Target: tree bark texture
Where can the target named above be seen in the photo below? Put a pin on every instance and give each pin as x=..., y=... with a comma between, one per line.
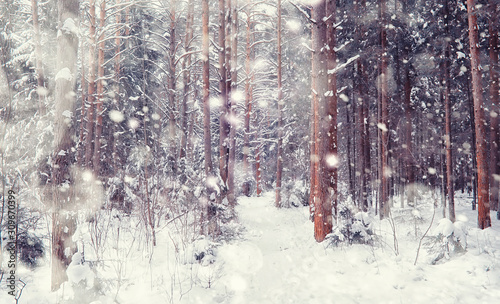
x=233, y=85
x=248, y=104
x=186, y=78
x=322, y=204
x=224, y=124
x=100, y=92
x=484, y=220
x=495, y=104
x=447, y=106
x=172, y=87
x=383, y=119
x=279, y=161
x=91, y=87
x=331, y=158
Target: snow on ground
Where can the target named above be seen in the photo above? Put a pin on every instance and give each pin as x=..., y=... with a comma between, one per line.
x=276, y=260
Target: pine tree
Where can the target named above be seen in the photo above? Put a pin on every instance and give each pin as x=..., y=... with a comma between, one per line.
x=484, y=220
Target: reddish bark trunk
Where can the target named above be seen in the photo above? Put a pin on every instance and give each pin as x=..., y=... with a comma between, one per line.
x=322, y=204
x=484, y=220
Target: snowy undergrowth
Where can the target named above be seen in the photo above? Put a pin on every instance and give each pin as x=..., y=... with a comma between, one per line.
x=117, y=263
x=276, y=260
x=279, y=262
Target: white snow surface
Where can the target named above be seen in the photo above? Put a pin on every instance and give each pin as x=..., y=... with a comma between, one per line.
x=276, y=260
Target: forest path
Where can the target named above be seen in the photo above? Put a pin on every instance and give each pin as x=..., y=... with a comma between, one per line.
x=278, y=260
x=262, y=267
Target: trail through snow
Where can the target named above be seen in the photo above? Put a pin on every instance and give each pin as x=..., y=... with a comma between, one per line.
x=278, y=261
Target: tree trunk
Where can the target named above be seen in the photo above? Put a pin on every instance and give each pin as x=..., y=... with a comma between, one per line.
x=63, y=223
x=232, y=112
x=279, y=161
x=81, y=137
x=186, y=79
x=484, y=220
x=322, y=124
x=495, y=102
x=114, y=155
x=100, y=91
x=206, y=91
x=383, y=120
x=207, y=138
x=331, y=159
x=473, y=178
x=313, y=165
x=172, y=87
x=447, y=106
x=409, y=159
x=91, y=86
x=248, y=105
x=223, y=122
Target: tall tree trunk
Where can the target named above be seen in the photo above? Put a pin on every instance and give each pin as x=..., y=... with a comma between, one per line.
x=38, y=58
x=447, y=106
x=314, y=158
x=279, y=161
x=383, y=120
x=409, y=157
x=206, y=91
x=100, y=91
x=207, y=138
x=248, y=105
x=258, y=173
x=172, y=87
x=80, y=148
x=232, y=112
x=63, y=223
x=473, y=178
x=186, y=78
x=149, y=208
x=495, y=101
x=224, y=124
x=91, y=86
x=112, y=139
x=330, y=163
x=484, y=220
x=322, y=123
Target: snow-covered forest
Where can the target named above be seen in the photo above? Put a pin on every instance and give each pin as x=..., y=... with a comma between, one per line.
x=249, y=151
